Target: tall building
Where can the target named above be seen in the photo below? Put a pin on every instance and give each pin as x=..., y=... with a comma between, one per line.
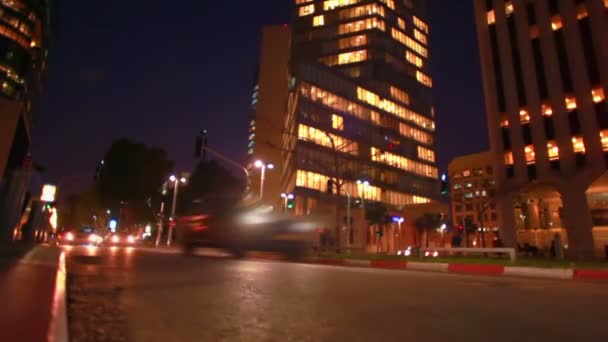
x=473, y=196
x=545, y=76
x=23, y=52
x=358, y=118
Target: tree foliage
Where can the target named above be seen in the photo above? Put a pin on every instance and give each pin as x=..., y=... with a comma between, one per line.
x=132, y=173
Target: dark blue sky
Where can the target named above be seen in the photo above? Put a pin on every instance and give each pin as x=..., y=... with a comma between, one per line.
x=157, y=71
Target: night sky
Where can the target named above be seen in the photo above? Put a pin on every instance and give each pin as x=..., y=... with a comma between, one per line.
x=158, y=71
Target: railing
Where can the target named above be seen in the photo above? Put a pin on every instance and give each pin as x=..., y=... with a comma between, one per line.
x=510, y=251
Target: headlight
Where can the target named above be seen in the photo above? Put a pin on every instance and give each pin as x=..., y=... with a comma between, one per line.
x=94, y=238
x=130, y=239
x=115, y=238
x=69, y=236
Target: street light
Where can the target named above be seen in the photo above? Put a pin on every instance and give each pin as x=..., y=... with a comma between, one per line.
x=399, y=221
x=176, y=182
x=261, y=165
x=286, y=198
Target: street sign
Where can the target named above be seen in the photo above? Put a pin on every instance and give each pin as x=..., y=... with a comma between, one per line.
x=48, y=193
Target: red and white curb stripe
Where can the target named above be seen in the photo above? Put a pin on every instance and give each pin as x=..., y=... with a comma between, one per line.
x=473, y=269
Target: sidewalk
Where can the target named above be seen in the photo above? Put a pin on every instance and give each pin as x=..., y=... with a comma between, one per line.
x=32, y=290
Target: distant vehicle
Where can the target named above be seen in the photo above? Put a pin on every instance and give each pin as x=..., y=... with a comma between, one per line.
x=225, y=221
x=120, y=239
x=79, y=237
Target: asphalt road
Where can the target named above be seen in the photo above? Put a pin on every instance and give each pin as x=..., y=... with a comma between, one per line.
x=166, y=297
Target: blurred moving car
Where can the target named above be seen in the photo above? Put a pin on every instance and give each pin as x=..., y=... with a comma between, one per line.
x=226, y=221
x=79, y=237
x=120, y=239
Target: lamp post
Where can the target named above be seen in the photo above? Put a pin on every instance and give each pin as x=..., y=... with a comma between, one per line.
x=176, y=182
x=263, y=166
x=363, y=184
x=399, y=221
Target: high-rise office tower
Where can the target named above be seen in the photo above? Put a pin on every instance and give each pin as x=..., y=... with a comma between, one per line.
x=358, y=119
x=545, y=75
x=23, y=52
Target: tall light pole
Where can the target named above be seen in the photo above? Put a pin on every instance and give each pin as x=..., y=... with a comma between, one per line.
x=399, y=221
x=263, y=166
x=286, y=198
x=176, y=182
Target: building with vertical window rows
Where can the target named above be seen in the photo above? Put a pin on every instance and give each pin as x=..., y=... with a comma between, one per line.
x=358, y=120
x=545, y=76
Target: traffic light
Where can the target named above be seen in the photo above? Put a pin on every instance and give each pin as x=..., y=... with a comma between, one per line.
x=291, y=203
x=444, y=185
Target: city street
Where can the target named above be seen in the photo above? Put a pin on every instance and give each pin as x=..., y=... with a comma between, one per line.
x=135, y=295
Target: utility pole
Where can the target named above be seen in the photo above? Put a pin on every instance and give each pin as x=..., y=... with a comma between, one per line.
x=160, y=223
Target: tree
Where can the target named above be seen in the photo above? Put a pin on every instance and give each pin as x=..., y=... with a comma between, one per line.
x=377, y=214
x=209, y=177
x=427, y=223
x=131, y=174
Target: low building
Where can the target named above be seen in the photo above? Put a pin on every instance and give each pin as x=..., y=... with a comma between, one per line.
x=472, y=197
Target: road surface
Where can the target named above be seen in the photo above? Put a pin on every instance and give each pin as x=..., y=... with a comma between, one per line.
x=165, y=297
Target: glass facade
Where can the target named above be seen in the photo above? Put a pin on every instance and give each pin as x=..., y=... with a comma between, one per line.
x=363, y=106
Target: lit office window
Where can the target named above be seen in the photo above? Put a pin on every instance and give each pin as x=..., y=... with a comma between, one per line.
x=401, y=23
x=409, y=42
x=426, y=154
x=337, y=122
x=415, y=134
x=556, y=22
x=413, y=58
x=333, y=4
x=552, y=150
x=318, y=20
x=491, y=17
x=524, y=117
x=325, y=139
x=403, y=163
x=350, y=42
x=421, y=25
x=307, y=10
x=389, y=3
x=578, y=145
x=509, y=158
x=598, y=94
x=361, y=25
x=509, y=8
x=300, y=2
x=604, y=139
x=400, y=95
x=393, y=108
x=424, y=79
x=546, y=110
x=345, y=58
x=421, y=37
x=571, y=103
x=361, y=11
x=530, y=155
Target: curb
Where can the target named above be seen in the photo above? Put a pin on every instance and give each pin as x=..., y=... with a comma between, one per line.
x=471, y=269
x=58, y=328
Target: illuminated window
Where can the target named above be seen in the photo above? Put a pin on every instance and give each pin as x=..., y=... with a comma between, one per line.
x=332, y=4
x=393, y=108
x=389, y=3
x=375, y=118
x=300, y=2
x=409, y=42
x=426, y=154
x=361, y=25
x=604, y=139
x=598, y=94
x=318, y=20
x=581, y=11
x=524, y=117
x=530, y=155
x=466, y=173
x=508, y=8
x=400, y=95
x=328, y=140
x=504, y=123
x=420, y=37
x=415, y=134
x=350, y=42
x=424, y=79
x=421, y=25
x=491, y=17
x=403, y=163
x=578, y=145
x=413, y=58
x=307, y=10
x=556, y=23
x=337, y=122
x=552, y=150
x=546, y=110
x=401, y=23
x=509, y=158
x=361, y=11
x=345, y=58
x=571, y=103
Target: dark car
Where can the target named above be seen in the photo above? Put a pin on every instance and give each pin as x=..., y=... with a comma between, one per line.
x=230, y=223
x=79, y=237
